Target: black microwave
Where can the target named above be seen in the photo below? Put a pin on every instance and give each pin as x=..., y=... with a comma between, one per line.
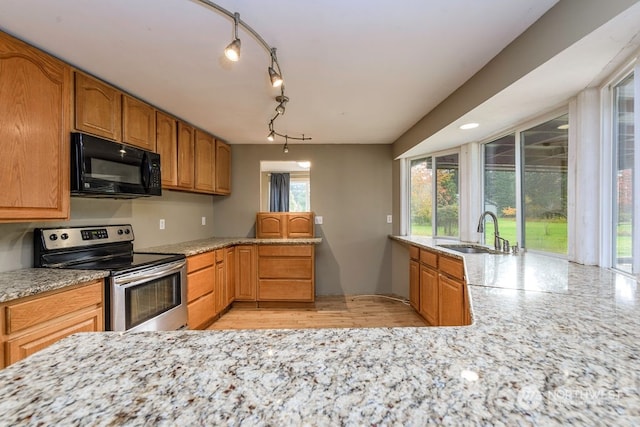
x=103, y=168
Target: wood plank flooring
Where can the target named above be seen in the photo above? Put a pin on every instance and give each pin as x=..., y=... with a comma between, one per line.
x=328, y=312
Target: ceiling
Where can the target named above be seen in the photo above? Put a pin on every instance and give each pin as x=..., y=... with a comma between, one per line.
x=355, y=71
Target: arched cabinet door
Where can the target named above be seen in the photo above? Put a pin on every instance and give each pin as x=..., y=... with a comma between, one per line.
x=35, y=91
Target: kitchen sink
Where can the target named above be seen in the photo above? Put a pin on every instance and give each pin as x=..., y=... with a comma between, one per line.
x=471, y=249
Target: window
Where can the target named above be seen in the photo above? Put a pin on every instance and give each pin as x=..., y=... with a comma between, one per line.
x=541, y=154
x=500, y=187
x=299, y=184
x=427, y=187
x=299, y=192
x=623, y=192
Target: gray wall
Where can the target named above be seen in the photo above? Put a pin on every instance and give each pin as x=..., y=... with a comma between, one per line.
x=182, y=213
x=351, y=187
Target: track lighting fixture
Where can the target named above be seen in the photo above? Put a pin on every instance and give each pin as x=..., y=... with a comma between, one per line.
x=232, y=51
x=285, y=149
x=282, y=103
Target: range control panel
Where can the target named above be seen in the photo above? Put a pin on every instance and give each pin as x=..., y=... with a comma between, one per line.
x=72, y=237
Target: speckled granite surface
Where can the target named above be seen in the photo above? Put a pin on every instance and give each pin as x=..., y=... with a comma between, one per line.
x=554, y=354
x=33, y=281
x=195, y=247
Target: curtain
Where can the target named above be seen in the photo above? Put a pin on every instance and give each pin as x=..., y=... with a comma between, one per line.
x=279, y=191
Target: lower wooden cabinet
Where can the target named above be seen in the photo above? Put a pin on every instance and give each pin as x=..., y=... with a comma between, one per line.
x=286, y=273
x=282, y=225
x=246, y=276
x=200, y=290
x=442, y=298
x=31, y=324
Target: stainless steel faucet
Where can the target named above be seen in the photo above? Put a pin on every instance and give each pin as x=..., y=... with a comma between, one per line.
x=496, y=234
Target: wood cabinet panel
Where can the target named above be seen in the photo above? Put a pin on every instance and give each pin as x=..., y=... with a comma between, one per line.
x=35, y=103
x=285, y=250
x=201, y=311
x=223, y=168
x=200, y=261
x=246, y=274
x=452, y=266
x=27, y=344
x=200, y=283
x=230, y=271
x=204, y=162
x=414, y=284
x=285, y=290
x=270, y=226
x=300, y=225
x=167, y=147
x=451, y=302
x=186, y=156
x=429, y=258
x=98, y=108
x=42, y=309
x=220, y=282
x=414, y=253
x=429, y=295
x=285, y=268
x=138, y=123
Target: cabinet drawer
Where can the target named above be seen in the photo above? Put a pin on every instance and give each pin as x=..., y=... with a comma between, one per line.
x=429, y=258
x=285, y=250
x=414, y=252
x=285, y=290
x=285, y=268
x=38, y=310
x=200, y=261
x=452, y=267
x=200, y=283
x=201, y=311
x=220, y=255
x=27, y=344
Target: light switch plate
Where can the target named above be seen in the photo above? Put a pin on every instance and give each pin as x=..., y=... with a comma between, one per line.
x=318, y=220
x=162, y=224
x=204, y=220
x=389, y=219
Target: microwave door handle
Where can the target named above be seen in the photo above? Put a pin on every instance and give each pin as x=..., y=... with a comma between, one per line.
x=146, y=172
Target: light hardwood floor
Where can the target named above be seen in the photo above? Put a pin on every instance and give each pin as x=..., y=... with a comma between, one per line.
x=327, y=312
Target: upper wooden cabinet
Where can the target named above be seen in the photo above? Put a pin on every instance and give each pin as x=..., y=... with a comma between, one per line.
x=223, y=168
x=98, y=108
x=186, y=156
x=35, y=94
x=167, y=147
x=138, y=123
x=284, y=225
x=204, y=162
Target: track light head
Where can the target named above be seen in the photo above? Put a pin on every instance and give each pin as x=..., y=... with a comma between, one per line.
x=232, y=51
x=276, y=79
x=282, y=103
x=285, y=149
x=271, y=136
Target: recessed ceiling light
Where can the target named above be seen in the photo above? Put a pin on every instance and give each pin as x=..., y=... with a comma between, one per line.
x=563, y=127
x=467, y=126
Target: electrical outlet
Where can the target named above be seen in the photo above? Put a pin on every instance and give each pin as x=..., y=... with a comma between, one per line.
x=318, y=220
x=162, y=224
x=389, y=219
x=204, y=220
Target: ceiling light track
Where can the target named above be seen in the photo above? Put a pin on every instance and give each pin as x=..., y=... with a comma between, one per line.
x=232, y=52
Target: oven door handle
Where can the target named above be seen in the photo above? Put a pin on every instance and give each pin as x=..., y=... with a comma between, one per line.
x=136, y=279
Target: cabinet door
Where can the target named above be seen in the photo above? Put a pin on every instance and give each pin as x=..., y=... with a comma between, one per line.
x=246, y=275
x=300, y=224
x=25, y=345
x=205, y=162
x=429, y=295
x=414, y=284
x=201, y=311
x=451, y=304
x=138, y=123
x=221, y=282
x=271, y=225
x=34, y=133
x=230, y=271
x=186, y=156
x=223, y=168
x=167, y=147
x=98, y=108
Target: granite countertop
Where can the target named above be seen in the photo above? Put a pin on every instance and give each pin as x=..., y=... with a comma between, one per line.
x=195, y=247
x=552, y=343
x=32, y=281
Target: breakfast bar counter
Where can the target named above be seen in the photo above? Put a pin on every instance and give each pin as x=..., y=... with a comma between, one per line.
x=552, y=343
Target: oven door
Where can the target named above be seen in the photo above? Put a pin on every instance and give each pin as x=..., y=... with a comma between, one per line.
x=152, y=299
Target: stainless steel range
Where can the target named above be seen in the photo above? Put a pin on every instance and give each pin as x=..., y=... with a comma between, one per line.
x=144, y=292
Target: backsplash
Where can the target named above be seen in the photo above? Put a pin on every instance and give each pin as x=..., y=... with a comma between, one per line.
x=182, y=213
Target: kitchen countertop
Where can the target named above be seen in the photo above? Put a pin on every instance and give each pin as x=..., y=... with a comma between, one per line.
x=195, y=247
x=32, y=281
x=552, y=343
